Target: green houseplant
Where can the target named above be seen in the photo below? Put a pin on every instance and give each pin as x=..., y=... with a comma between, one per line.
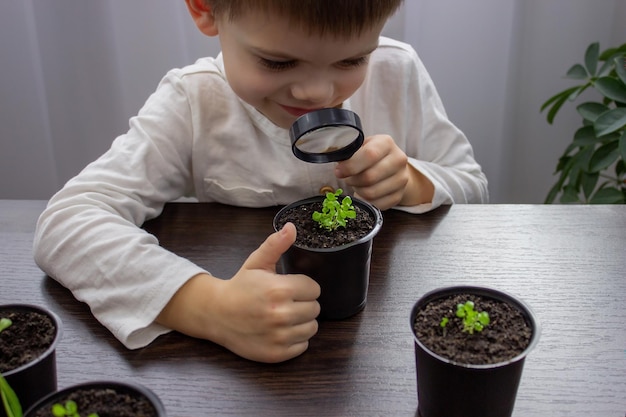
x=592, y=168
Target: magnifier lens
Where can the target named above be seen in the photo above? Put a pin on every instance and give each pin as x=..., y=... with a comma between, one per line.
x=327, y=139
x=326, y=135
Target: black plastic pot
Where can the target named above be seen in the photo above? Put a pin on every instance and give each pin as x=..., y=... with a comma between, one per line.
x=37, y=378
x=342, y=272
x=133, y=389
x=450, y=389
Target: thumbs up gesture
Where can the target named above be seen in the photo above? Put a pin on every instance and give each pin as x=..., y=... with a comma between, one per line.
x=269, y=317
x=258, y=314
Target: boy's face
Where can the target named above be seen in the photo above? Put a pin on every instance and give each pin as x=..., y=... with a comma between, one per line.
x=284, y=72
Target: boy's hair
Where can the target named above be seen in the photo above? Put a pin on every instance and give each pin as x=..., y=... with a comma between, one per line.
x=335, y=17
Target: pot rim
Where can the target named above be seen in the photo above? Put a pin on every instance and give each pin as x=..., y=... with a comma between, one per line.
x=364, y=204
x=96, y=384
x=486, y=292
x=59, y=333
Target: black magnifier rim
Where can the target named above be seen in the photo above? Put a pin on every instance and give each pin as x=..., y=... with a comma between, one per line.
x=322, y=118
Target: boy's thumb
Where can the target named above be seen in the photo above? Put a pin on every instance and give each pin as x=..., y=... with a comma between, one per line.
x=268, y=254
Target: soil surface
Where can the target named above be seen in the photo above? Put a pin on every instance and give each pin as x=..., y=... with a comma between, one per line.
x=106, y=402
x=506, y=336
x=311, y=235
x=30, y=335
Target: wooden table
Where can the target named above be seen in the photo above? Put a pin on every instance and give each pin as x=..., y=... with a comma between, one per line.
x=567, y=262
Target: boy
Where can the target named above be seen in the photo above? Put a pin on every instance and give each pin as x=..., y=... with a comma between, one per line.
x=217, y=131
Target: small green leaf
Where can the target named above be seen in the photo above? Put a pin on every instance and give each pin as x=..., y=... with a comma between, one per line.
x=611, y=88
x=591, y=58
x=591, y=110
x=610, y=121
x=577, y=72
x=604, y=156
x=608, y=196
x=5, y=323
x=11, y=403
x=58, y=410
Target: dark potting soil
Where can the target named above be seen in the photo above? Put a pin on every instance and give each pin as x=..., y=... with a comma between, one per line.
x=106, y=402
x=506, y=336
x=30, y=335
x=311, y=235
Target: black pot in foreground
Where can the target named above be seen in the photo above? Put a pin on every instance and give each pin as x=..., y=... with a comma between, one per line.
x=38, y=377
x=133, y=390
x=342, y=272
x=449, y=389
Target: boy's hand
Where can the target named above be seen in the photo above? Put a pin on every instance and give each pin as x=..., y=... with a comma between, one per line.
x=257, y=314
x=380, y=173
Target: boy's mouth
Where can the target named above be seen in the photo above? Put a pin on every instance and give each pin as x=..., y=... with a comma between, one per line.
x=296, y=111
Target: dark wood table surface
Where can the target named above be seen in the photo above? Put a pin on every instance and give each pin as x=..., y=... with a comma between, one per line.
x=567, y=262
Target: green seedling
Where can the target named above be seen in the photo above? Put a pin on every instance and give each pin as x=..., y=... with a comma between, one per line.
x=444, y=322
x=11, y=403
x=69, y=409
x=4, y=323
x=472, y=319
x=335, y=213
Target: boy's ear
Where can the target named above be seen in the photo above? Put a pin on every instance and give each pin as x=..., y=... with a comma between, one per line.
x=203, y=16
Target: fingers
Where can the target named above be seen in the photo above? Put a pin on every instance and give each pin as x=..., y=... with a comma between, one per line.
x=268, y=254
x=378, y=172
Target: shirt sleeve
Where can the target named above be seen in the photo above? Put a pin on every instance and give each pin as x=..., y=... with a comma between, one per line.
x=88, y=238
x=414, y=115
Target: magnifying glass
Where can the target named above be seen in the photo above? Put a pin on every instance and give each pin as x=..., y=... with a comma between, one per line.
x=326, y=135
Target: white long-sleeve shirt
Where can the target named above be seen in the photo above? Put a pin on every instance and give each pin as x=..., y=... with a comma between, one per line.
x=194, y=137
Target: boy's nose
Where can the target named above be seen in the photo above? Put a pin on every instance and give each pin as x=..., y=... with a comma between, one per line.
x=314, y=90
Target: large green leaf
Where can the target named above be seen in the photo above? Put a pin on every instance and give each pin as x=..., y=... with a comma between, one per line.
x=608, y=196
x=622, y=146
x=612, y=88
x=570, y=195
x=563, y=95
x=588, y=182
x=607, y=53
x=585, y=136
x=591, y=110
x=577, y=163
x=577, y=72
x=610, y=121
x=552, y=193
x=558, y=102
x=620, y=67
x=591, y=58
x=603, y=157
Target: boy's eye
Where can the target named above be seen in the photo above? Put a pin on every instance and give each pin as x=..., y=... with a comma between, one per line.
x=277, y=65
x=352, y=63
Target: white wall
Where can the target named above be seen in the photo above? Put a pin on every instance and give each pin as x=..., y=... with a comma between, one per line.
x=73, y=72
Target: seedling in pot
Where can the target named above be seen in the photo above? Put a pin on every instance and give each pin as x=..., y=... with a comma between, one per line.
x=334, y=212
x=70, y=409
x=472, y=319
